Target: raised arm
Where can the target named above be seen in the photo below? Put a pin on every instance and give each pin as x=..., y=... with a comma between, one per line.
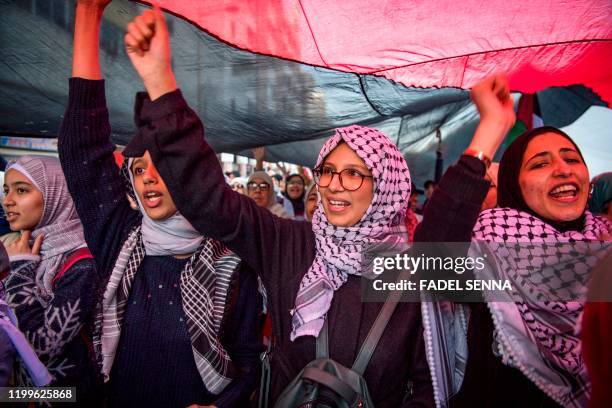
x=453, y=209
x=174, y=136
x=85, y=58
x=84, y=146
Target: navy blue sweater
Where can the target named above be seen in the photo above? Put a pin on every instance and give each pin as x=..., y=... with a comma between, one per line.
x=153, y=360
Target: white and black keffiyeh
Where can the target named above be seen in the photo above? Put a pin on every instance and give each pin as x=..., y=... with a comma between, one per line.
x=533, y=333
x=534, y=330
x=340, y=249
x=204, y=283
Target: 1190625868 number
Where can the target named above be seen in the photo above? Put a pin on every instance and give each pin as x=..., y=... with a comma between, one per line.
x=32, y=394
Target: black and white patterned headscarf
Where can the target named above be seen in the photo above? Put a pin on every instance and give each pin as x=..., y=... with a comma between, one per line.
x=340, y=249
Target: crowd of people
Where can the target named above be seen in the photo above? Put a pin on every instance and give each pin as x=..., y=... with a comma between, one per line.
x=147, y=279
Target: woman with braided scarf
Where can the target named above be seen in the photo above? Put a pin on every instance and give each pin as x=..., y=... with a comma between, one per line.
x=312, y=272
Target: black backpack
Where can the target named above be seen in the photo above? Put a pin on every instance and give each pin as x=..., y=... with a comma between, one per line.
x=325, y=383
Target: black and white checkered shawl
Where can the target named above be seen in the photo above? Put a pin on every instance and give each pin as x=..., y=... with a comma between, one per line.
x=340, y=250
x=204, y=283
x=536, y=321
x=534, y=332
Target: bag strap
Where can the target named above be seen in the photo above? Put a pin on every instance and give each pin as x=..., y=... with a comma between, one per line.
x=377, y=329
x=73, y=258
x=323, y=341
x=332, y=382
x=264, y=386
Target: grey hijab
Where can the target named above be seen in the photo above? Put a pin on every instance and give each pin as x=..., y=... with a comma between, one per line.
x=60, y=224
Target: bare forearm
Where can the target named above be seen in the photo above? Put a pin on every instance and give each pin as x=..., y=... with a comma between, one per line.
x=159, y=84
x=496, y=108
x=85, y=59
x=489, y=135
x=148, y=46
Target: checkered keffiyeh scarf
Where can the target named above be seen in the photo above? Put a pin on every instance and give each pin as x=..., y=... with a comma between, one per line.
x=204, y=283
x=534, y=332
x=340, y=249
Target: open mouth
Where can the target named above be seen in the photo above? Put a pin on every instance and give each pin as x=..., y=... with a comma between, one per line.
x=337, y=206
x=10, y=216
x=152, y=198
x=565, y=192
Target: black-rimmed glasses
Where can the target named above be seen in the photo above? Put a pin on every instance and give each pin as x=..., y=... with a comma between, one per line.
x=350, y=179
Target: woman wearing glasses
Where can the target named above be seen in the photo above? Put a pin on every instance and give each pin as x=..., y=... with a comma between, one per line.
x=295, y=190
x=239, y=185
x=260, y=189
x=312, y=272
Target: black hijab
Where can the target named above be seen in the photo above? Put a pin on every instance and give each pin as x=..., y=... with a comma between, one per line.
x=509, y=191
x=298, y=203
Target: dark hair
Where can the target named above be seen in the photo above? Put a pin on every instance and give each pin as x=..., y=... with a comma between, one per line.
x=413, y=190
x=509, y=192
x=289, y=177
x=298, y=203
x=429, y=183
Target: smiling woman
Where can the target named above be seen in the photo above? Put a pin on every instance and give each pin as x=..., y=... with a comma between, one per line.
x=529, y=341
x=543, y=173
x=554, y=178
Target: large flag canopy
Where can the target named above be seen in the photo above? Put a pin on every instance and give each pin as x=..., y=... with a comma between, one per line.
x=286, y=73
x=435, y=43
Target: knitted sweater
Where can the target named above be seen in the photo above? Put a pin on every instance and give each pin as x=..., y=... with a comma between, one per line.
x=59, y=329
x=99, y=193
x=281, y=251
x=7, y=356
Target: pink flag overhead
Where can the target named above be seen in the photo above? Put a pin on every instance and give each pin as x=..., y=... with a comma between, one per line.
x=539, y=43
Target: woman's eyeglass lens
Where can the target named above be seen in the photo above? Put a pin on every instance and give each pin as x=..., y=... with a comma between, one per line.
x=261, y=186
x=350, y=179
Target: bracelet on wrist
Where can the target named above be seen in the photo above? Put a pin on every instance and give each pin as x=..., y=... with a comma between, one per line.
x=479, y=155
